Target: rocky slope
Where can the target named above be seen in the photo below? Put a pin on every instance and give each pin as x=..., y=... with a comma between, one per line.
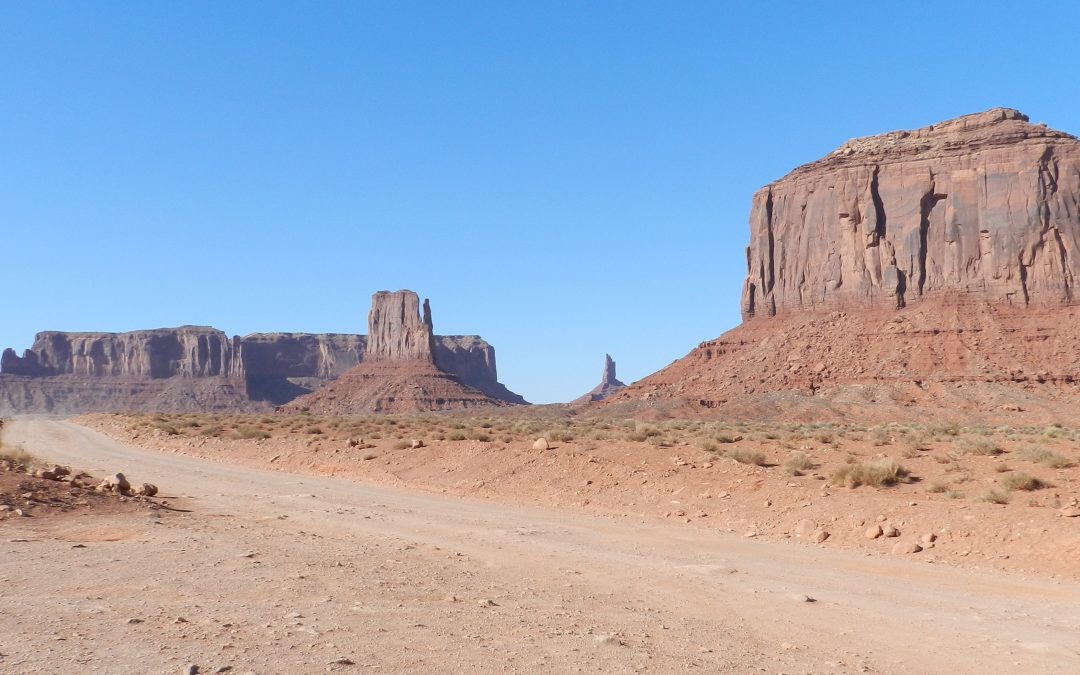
x=917, y=273
x=194, y=368
x=405, y=368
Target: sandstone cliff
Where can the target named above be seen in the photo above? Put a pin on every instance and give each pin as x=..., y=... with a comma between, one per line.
x=396, y=331
x=985, y=205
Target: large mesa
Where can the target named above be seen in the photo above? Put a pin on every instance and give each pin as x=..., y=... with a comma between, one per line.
x=904, y=272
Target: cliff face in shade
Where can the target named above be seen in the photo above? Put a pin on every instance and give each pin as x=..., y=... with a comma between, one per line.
x=188, y=351
x=986, y=206
x=609, y=384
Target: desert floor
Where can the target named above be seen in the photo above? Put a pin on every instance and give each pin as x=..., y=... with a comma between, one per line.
x=274, y=572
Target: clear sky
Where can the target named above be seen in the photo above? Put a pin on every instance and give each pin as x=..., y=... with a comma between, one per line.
x=563, y=178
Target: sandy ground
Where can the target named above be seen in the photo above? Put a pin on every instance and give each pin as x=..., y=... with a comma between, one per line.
x=688, y=487
x=271, y=572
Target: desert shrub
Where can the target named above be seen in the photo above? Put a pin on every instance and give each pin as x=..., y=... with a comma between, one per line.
x=708, y=445
x=994, y=496
x=825, y=437
x=877, y=474
x=1044, y=456
x=745, y=456
x=880, y=436
x=1021, y=481
x=16, y=456
x=945, y=429
x=798, y=462
x=1054, y=431
x=938, y=487
x=980, y=446
x=479, y=436
x=1002, y=468
x=250, y=433
x=457, y=436
x=314, y=430
x=916, y=441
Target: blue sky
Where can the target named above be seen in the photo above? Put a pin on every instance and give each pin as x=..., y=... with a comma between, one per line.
x=564, y=179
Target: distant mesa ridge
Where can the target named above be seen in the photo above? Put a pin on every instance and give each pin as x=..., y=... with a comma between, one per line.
x=192, y=368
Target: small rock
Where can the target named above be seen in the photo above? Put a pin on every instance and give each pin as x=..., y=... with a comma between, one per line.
x=609, y=640
x=20, y=512
x=343, y=662
x=191, y=669
x=905, y=547
x=928, y=538
x=541, y=444
x=1070, y=512
x=819, y=536
x=133, y=621
x=873, y=532
x=416, y=443
x=890, y=531
x=118, y=483
x=800, y=597
x=146, y=490
x=487, y=602
x=805, y=527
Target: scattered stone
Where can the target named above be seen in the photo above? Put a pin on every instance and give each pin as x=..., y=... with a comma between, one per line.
x=416, y=443
x=805, y=527
x=928, y=538
x=343, y=661
x=541, y=444
x=873, y=532
x=1070, y=512
x=800, y=597
x=20, y=513
x=890, y=531
x=609, y=640
x=487, y=602
x=146, y=490
x=191, y=669
x=819, y=536
x=905, y=547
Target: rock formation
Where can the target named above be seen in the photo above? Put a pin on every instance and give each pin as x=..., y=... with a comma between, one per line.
x=985, y=205
x=609, y=384
x=396, y=331
x=406, y=368
x=195, y=368
x=909, y=273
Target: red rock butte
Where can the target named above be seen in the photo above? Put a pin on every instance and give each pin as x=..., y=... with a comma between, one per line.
x=914, y=270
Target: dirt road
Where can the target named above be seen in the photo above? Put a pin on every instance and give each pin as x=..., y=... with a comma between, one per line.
x=276, y=573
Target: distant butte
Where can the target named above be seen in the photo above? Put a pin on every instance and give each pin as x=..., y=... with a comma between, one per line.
x=609, y=384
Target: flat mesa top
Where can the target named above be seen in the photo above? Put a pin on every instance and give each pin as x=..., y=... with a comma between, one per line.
x=966, y=134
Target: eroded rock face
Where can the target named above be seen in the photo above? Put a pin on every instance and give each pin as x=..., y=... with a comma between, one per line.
x=396, y=331
x=986, y=206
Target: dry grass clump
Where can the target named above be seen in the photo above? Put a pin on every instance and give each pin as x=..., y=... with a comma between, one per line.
x=1022, y=481
x=798, y=462
x=879, y=473
x=250, y=433
x=994, y=496
x=1044, y=456
x=745, y=456
x=980, y=446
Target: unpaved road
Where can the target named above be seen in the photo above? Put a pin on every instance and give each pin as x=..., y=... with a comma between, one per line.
x=278, y=573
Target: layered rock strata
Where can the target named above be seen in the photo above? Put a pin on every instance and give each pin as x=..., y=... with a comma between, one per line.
x=985, y=205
